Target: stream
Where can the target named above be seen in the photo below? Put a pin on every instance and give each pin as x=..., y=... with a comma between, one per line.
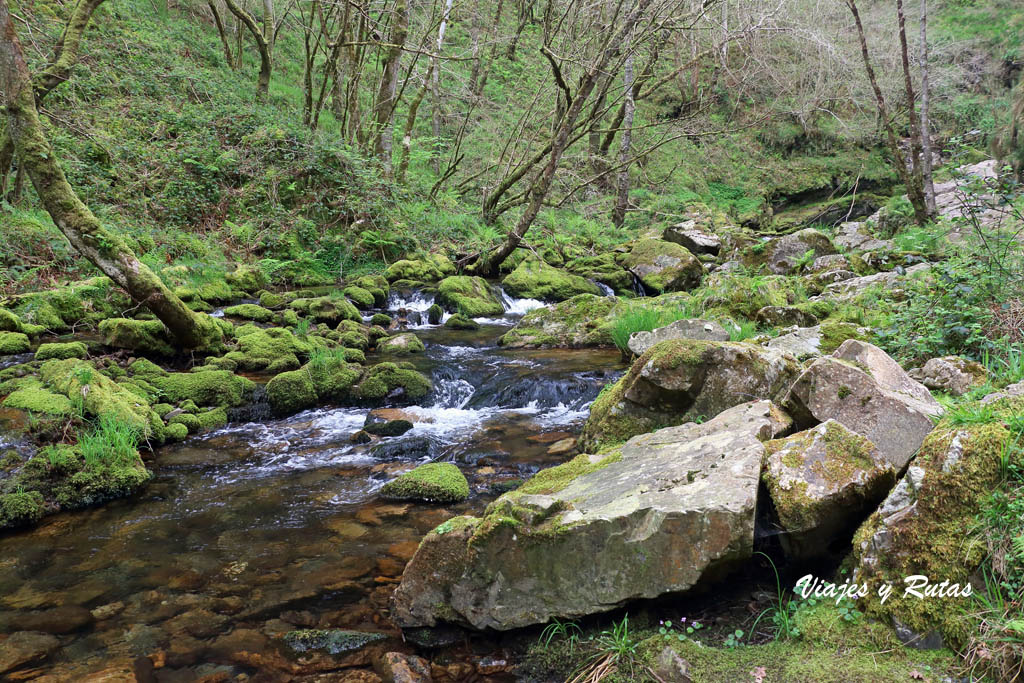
x=277, y=525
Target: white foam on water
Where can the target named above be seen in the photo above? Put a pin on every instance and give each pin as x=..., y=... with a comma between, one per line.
x=417, y=301
x=518, y=307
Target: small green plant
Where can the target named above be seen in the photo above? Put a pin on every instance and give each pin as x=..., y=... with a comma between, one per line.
x=302, y=329
x=742, y=330
x=734, y=639
x=680, y=631
x=782, y=612
x=848, y=611
x=615, y=650
x=560, y=630
x=110, y=442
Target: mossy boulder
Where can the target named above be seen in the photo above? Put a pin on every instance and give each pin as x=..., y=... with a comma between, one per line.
x=329, y=379
x=13, y=342
x=604, y=269
x=382, y=319
x=394, y=382
x=535, y=279
x=274, y=300
x=683, y=380
x=35, y=399
x=429, y=269
x=147, y=336
x=99, y=395
x=739, y=294
x=206, y=388
x=61, y=351
x=468, y=295
x=928, y=526
x=247, y=278
x=790, y=253
x=362, y=298
x=823, y=483
x=434, y=314
x=327, y=309
x=579, y=322
x=461, y=322
x=250, y=312
x=82, y=303
x=406, y=342
x=9, y=322
x=260, y=348
x=598, y=531
x=435, y=482
x=143, y=367
x=663, y=266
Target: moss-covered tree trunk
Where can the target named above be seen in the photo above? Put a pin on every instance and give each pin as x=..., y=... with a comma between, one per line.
x=262, y=44
x=105, y=249
x=387, y=94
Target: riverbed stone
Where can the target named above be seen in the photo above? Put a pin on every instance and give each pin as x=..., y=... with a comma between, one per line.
x=688, y=328
x=823, y=482
x=663, y=266
x=61, y=351
x=396, y=667
x=582, y=321
x=784, y=316
x=13, y=342
x=680, y=380
x=535, y=279
x=468, y=295
x=25, y=647
x=657, y=516
x=860, y=386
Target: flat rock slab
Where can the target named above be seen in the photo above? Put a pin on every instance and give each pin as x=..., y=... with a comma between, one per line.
x=677, y=506
x=690, y=328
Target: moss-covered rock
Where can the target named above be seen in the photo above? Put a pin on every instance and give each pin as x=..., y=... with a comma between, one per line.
x=382, y=319
x=327, y=309
x=431, y=268
x=274, y=300
x=82, y=303
x=604, y=269
x=461, y=322
x=61, y=351
x=434, y=314
x=99, y=395
x=23, y=508
x=143, y=367
x=147, y=336
x=13, y=342
x=388, y=380
x=35, y=399
x=206, y=388
x=790, y=253
x=250, y=312
x=260, y=348
x=9, y=322
x=406, y=342
x=582, y=321
x=436, y=482
x=362, y=298
x=468, y=295
x=328, y=379
x=535, y=279
x=663, y=266
x=247, y=278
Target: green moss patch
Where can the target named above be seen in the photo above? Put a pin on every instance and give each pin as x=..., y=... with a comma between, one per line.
x=13, y=342
x=436, y=482
x=61, y=351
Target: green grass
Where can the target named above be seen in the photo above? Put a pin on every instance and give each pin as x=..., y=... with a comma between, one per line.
x=642, y=318
x=109, y=442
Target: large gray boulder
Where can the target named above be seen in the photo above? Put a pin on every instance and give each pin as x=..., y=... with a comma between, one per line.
x=664, y=512
x=687, y=234
x=784, y=255
x=690, y=328
x=951, y=374
x=824, y=482
x=680, y=380
x=868, y=392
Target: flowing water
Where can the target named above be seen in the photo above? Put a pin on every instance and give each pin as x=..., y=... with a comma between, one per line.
x=278, y=525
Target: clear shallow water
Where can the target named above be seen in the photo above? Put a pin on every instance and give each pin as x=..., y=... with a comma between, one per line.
x=266, y=527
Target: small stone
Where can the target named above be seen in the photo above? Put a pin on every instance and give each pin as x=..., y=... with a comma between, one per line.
x=395, y=667
x=562, y=447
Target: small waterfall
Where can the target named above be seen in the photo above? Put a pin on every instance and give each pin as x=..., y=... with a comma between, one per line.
x=605, y=289
x=410, y=301
x=453, y=393
x=638, y=287
x=518, y=306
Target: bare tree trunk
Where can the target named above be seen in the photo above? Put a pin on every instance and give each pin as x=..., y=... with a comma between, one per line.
x=915, y=189
x=883, y=114
x=384, y=114
x=622, y=200
x=262, y=44
x=560, y=140
x=105, y=249
x=410, y=123
x=435, y=84
x=926, y=133
x=223, y=34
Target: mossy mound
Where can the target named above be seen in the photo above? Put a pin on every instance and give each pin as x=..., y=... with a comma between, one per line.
x=249, y=279
x=37, y=400
x=381, y=319
x=461, y=322
x=13, y=342
x=258, y=348
x=99, y=395
x=431, y=268
x=9, y=322
x=535, y=279
x=468, y=295
x=327, y=309
x=436, y=482
x=86, y=302
x=389, y=380
x=663, y=266
x=250, y=312
x=604, y=269
x=147, y=336
x=206, y=388
x=61, y=351
x=326, y=380
x=401, y=343
x=362, y=298
x=739, y=294
x=23, y=508
x=143, y=367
